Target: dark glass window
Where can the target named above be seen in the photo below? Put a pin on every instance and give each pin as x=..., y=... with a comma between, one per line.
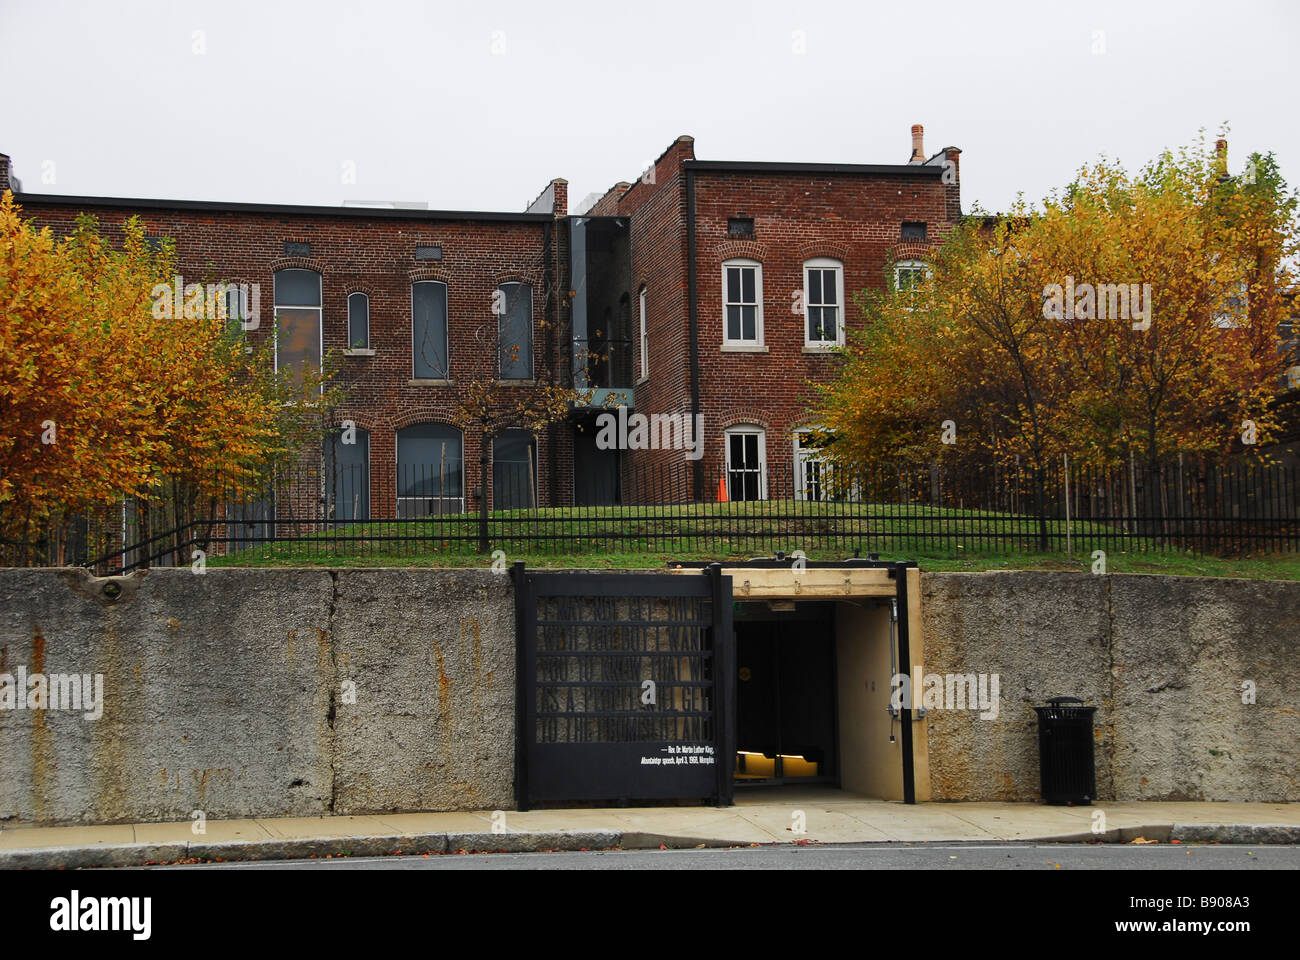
x=347, y=475
x=429, y=329
x=514, y=471
x=430, y=475
x=740, y=226
x=358, y=321
x=297, y=321
x=913, y=231
x=515, y=323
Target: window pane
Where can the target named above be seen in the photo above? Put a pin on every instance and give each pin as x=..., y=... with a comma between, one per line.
x=733, y=323
x=297, y=288
x=297, y=340
x=828, y=323
x=514, y=480
x=429, y=470
x=429, y=321
x=516, y=325
x=751, y=450
x=814, y=287
x=747, y=276
x=347, y=476
x=733, y=285
x=829, y=293
x=750, y=327
x=358, y=321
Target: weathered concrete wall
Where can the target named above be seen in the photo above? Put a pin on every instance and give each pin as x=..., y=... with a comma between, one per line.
x=305, y=692
x=1162, y=658
x=227, y=693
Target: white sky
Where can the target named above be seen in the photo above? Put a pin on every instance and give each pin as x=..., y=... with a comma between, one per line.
x=113, y=99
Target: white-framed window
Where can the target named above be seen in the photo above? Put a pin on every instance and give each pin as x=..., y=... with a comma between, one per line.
x=746, y=463
x=645, y=338
x=811, y=471
x=358, y=321
x=823, y=302
x=429, y=330
x=298, y=335
x=742, y=302
x=910, y=274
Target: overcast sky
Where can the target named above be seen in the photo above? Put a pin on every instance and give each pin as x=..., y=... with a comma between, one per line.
x=477, y=104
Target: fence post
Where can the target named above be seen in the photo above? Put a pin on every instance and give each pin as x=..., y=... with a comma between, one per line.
x=1069, y=546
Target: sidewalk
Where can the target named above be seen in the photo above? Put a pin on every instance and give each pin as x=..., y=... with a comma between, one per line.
x=830, y=816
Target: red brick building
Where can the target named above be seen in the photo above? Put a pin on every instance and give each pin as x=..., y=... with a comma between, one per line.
x=703, y=289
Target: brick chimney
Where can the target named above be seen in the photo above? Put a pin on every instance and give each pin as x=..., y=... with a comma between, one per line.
x=561, y=205
x=918, y=144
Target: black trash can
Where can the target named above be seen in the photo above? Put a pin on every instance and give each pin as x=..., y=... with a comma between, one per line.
x=1065, y=756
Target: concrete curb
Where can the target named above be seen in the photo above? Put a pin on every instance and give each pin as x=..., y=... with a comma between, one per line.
x=140, y=854
x=1235, y=833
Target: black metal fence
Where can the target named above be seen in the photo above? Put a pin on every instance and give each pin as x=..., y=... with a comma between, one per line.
x=1234, y=508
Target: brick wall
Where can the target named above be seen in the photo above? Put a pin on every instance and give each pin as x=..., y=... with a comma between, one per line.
x=853, y=218
x=373, y=255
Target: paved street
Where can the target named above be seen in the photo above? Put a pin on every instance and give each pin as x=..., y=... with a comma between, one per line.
x=1016, y=856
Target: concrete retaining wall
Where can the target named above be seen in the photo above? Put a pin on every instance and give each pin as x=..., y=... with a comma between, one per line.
x=1164, y=660
x=261, y=693
x=246, y=693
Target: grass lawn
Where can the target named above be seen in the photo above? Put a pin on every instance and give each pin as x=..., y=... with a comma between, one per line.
x=651, y=537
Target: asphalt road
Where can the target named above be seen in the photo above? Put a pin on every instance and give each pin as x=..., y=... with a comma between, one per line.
x=1014, y=856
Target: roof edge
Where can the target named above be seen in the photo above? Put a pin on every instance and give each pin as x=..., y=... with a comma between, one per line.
x=281, y=209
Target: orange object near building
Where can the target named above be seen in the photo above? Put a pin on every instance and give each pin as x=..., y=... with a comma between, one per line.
x=722, y=490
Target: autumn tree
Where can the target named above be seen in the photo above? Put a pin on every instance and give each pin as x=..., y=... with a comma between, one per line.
x=106, y=397
x=1125, y=317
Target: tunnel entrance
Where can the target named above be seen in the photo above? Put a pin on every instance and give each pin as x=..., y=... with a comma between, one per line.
x=786, y=729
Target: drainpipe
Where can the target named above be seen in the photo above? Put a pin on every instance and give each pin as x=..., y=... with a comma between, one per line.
x=905, y=660
x=693, y=311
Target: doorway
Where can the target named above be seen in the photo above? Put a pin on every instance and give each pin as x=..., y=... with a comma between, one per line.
x=786, y=694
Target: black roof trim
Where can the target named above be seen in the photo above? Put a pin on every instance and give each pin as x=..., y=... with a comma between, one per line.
x=282, y=209
x=877, y=169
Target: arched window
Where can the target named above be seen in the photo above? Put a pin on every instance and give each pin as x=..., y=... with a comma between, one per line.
x=430, y=470
x=358, y=321
x=514, y=470
x=297, y=321
x=515, y=331
x=429, y=359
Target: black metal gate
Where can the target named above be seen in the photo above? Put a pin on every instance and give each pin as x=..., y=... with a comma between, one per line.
x=625, y=687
